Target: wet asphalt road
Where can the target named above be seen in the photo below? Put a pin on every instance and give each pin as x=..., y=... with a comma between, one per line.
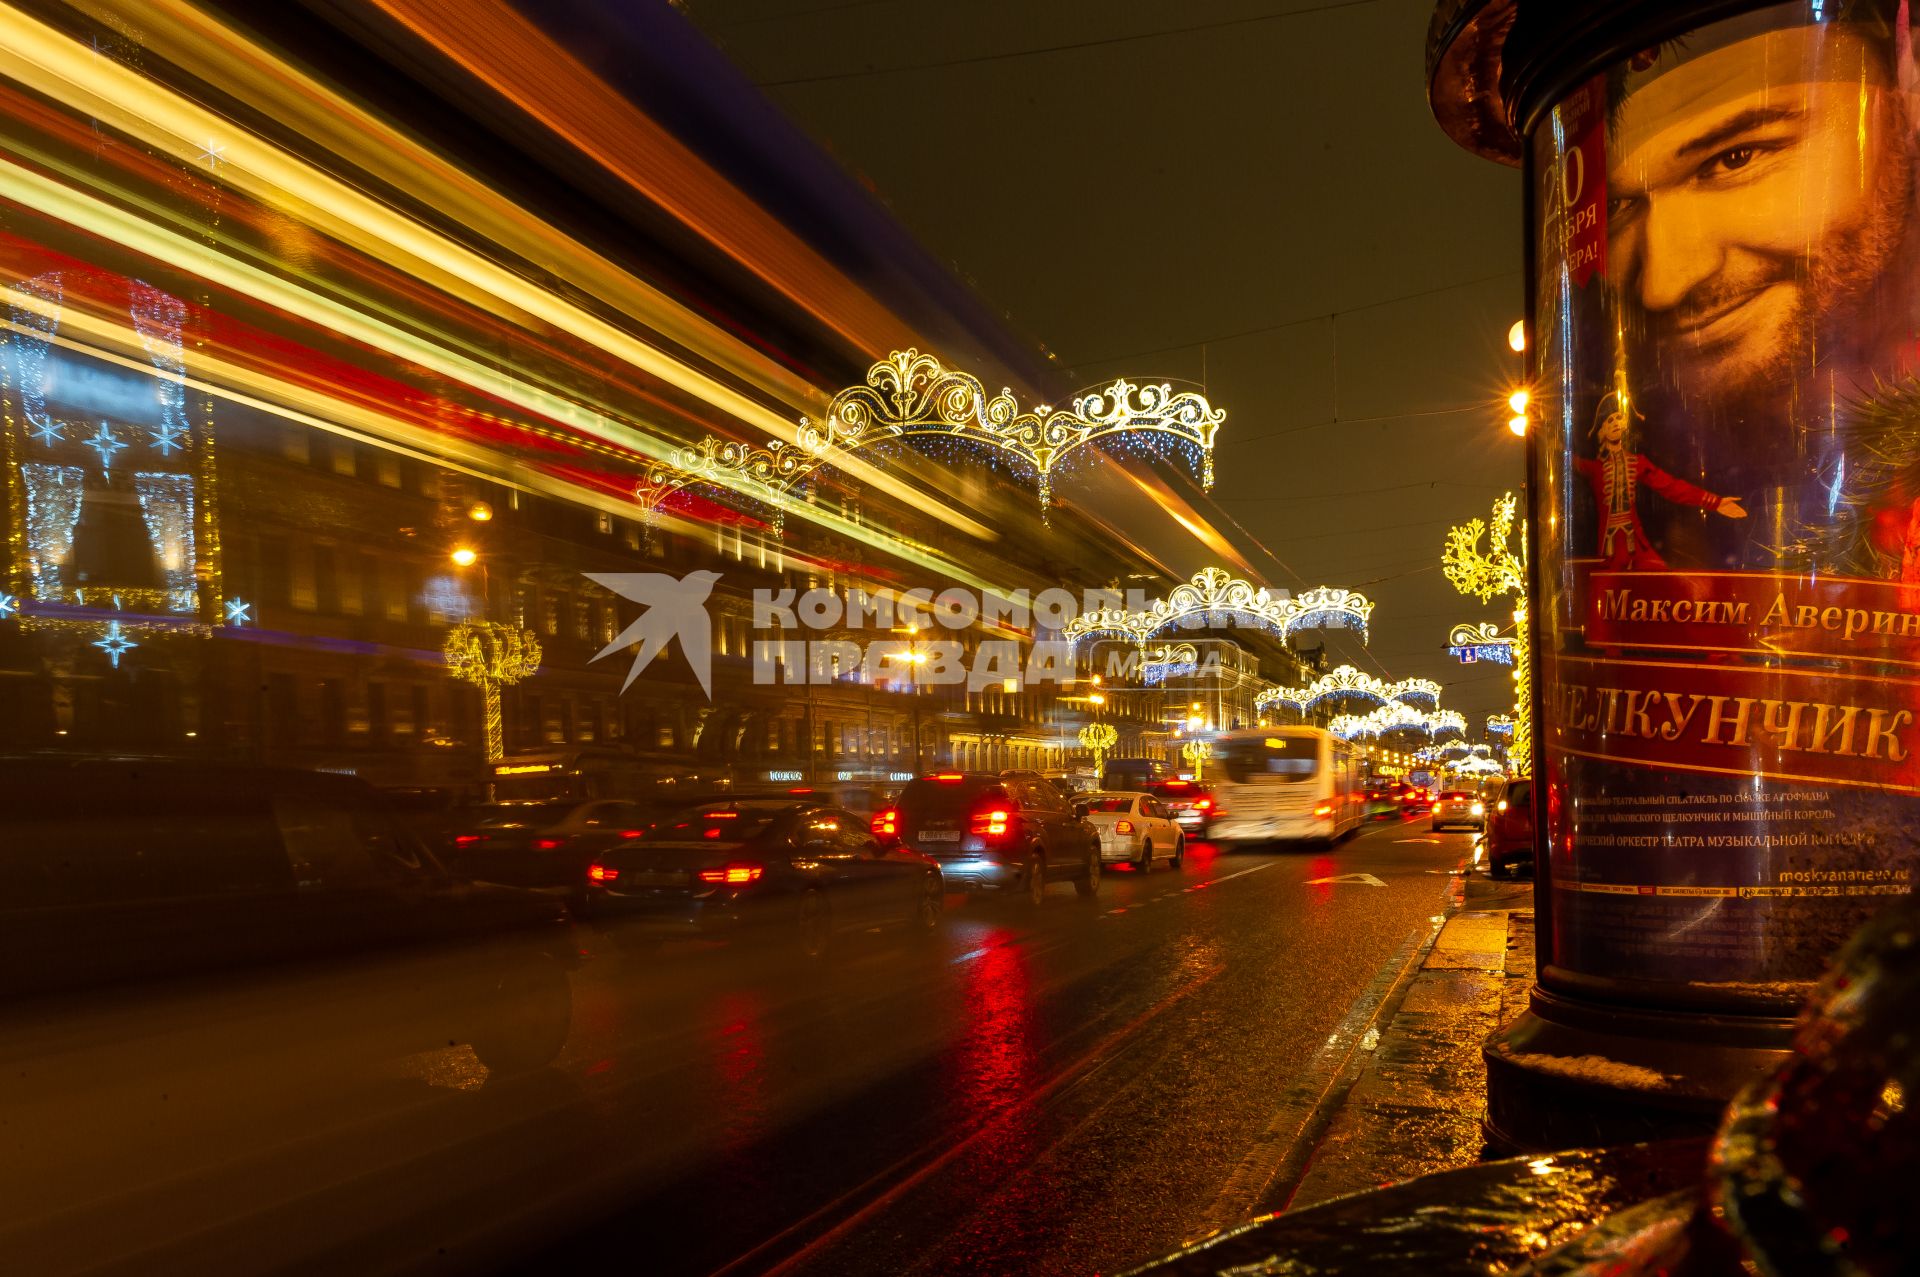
x=1027, y=1092
x=1032, y=1093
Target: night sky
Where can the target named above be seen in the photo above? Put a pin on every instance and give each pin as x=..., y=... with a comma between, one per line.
x=1247, y=194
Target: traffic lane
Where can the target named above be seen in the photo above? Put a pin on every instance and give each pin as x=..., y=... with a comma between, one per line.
x=708, y=1099
x=1223, y=993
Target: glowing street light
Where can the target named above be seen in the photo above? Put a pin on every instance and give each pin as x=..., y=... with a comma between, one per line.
x=465, y=557
x=1517, y=424
x=480, y=512
x=1517, y=336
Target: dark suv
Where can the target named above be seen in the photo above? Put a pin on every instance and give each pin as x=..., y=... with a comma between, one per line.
x=993, y=833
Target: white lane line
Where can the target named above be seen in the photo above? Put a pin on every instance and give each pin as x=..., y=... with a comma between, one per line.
x=970, y=956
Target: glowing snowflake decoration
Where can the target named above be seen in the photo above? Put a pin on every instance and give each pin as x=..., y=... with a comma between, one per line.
x=106, y=443
x=115, y=643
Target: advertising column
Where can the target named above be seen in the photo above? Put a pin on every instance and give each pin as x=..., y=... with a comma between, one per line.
x=1725, y=322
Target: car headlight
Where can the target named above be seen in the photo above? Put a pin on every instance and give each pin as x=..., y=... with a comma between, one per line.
x=1479, y=809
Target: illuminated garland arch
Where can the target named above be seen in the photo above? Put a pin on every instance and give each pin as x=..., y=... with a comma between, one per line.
x=1473, y=641
x=1500, y=725
x=911, y=396
x=1396, y=716
x=1214, y=598
x=1346, y=682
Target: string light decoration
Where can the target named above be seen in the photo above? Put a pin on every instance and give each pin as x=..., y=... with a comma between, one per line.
x=1216, y=599
x=491, y=656
x=1197, y=752
x=1345, y=682
x=1475, y=641
x=909, y=396
x=1169, y=660
x=1499, y=568
x=115, y=643
x=1397, y=716
x=1500, y=725
x=239, y=612
x=8, y=606
x=1097, y=739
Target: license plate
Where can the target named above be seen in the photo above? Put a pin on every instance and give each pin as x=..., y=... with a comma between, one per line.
x=940, y=835
x=658, y=878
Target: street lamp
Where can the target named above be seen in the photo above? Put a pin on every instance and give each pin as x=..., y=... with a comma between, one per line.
x=1517, y=336
x=465, y=557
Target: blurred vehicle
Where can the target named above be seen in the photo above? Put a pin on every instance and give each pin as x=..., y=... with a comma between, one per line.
x=1509, y=829
x=542, y=845
x=781, y=868
x=1134, y=828
x=994, y=833
x=1459, y=809
x=1190, y=802
x=570, y=775
x=1297, y=784
x=1383, y=802
x=862, y=798
x=1411, y=800
x=203, y=881
x=1132, y=773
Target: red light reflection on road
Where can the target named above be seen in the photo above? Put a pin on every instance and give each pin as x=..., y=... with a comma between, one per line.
x=740, y=1068
x=1320, y=867
x=996, y=1063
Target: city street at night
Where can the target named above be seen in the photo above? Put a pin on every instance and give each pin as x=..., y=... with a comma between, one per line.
x=959, y=638
x=1047, y=1092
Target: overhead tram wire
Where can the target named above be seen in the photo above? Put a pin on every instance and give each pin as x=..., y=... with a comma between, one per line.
x=1103, y=42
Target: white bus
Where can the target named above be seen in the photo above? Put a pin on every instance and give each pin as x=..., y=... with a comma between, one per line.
x=1284, y=784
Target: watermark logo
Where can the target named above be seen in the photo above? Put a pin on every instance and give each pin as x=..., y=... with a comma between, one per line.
x=674, y=607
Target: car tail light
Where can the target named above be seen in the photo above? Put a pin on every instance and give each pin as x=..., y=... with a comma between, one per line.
x=886, y=824
x=1323, y=810
x=631, y=833
x=601, y=873
x=993, y=823
x=1202, y=804
x=467, y=840
x=737, y=874
x=1123, y=826
x=949, y=778
x=549, y=844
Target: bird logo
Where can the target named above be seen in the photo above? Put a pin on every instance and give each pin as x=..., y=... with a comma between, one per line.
x=675, y=607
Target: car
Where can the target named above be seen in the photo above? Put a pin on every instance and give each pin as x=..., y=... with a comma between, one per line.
x=543, y=845
x=1410, y=799
x=1382, y=803
x=1509, y=829
x=780, y=868
x=1459, y=808
x=994, y=833
x=204, y=890
x=1134, y=828
x=1191, y=803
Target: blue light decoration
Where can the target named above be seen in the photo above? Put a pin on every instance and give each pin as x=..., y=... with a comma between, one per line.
x=8, y=606
x=1474, y=642
x=106, y=443
x=1500, y=725
x=239, y=612
x=49, y=431
x=166, y=507
x=115, y=643
x=169, y=437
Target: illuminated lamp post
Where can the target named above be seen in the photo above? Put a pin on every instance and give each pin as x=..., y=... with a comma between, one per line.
x=1499, y=567
x=491, y=656
x=1097, y=739
x=1687, y=895
x=1197, y=752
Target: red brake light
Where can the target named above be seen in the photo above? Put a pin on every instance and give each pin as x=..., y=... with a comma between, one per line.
x=600, y=873
x=803, y=789
x=631, y=833
x=549, y=844
x=466, y=840
x=737, y=874
x=885, y=824
x=723, y=815
x=1202, y=804
x=992, y=823
x=949, y=778
x=1323, y=810
x=1123, y=826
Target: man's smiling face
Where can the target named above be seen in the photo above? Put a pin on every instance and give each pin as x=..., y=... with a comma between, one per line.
x=1747, y=224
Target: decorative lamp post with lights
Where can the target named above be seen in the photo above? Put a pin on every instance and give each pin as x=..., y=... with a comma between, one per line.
x=492, y=656
x=1097, y=739
x=1723, y=460
x=1196, y=753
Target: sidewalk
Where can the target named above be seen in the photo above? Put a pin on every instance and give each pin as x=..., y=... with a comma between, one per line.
x=1417, y=1103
